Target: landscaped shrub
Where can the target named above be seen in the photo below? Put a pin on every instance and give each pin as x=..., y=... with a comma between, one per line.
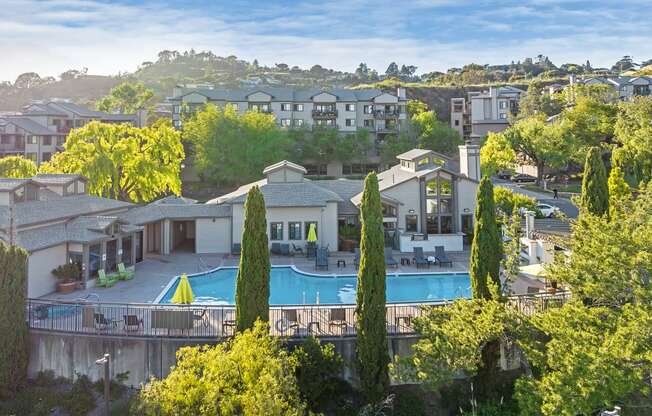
x=408, y=403
x=317, y=369
x=67, y=272
x=80, y=400
x=506, y=200
x=14, y=348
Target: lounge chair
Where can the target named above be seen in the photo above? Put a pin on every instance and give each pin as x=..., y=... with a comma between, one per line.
x=288, y=321
x=235, y=249
x=356, y=258
x=102, y=323
x=442, y=258
x=321, y=259
x=285, y=249
x=201, y=317
x=337, y=318
x=106, y=281
x=419, y=259
x=276, y=248
x=389, y=260
x=132, y=322
x=125, y=273
x=296, y=249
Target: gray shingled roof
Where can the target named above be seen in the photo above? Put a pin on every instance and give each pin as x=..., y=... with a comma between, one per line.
x=550, y=226
x=284, y=164
x=35, y=212
x=157, y=212
x=9, y=184
x=280, y=93
x=176, y=200
x=346, y=189
x=292, y=194
x=414, y=153
x=56, y=178
x=30, y=126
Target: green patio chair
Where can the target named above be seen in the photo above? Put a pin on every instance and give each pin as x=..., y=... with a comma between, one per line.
x=125, y=273
x=105, y=281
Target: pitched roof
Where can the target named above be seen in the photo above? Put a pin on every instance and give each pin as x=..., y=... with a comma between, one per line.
x=279, y=93
x=346, y=189
x=414, y=153
x=36, y=212
x=157, y=212
x=173, y=199
x=284, y=164
x=9, y=184
x=283, y=194
x=56, y=178
x=30, y=126
x=74, y=108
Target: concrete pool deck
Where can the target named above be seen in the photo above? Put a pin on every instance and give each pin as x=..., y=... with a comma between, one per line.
x=154, y=273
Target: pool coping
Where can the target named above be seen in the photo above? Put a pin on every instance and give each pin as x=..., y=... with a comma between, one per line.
x=164, y=291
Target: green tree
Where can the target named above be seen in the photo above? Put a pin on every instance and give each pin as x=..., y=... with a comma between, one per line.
x=486, y=249
x=16, y=167
x=371, y=349
x=248, y=375
x=434, y=135
x=232, y=149
x=619, y=191
x=595, y=189
x=415, y=107
x=395, y=144
x=317, y=370
x=633, y=134
x=537, y=102
x=122, y=161
x=508, y=201
x=512, y=261
x=252, y=282
x=590, y=121
x=126, y=98
x=14, y=345
x=497, y=154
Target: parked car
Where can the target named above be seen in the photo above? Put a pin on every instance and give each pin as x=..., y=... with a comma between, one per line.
x=503, y=174
x=522, y=178
x=547, y=210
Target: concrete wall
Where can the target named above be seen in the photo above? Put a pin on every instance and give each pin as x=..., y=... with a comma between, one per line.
x=39, y=267
x=213, y=235
x=409, y=194
x=466, y=191
x=71, y=354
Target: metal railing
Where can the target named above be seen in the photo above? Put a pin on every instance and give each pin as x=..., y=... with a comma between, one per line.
x=214, y=321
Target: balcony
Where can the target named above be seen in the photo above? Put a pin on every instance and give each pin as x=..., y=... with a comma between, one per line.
x=392, y=128
x=325, y=126
x=384, y=114
x=322, y=114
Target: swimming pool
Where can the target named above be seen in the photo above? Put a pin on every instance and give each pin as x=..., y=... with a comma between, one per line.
x=289, y=286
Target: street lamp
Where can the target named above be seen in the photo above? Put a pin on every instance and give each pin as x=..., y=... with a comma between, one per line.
x=107, y=381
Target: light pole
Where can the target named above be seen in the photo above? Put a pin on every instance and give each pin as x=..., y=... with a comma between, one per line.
x=107, y=381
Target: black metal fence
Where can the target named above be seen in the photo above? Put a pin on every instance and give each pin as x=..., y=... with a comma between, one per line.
x=211, y=321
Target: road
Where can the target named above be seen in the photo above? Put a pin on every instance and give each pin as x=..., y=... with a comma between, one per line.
x=565, y=205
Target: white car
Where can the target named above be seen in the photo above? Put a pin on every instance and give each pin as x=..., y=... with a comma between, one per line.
x=548, y=211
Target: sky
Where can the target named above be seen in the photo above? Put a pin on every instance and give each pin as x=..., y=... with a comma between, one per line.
x=50, y=37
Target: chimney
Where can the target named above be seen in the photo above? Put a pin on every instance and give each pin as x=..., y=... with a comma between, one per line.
x=470, y=161
x=401, y=92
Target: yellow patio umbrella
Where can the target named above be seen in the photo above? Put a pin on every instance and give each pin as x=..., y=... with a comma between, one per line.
x=183, y=294
x=312, y=234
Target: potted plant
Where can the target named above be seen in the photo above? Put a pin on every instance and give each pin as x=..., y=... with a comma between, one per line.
x=68, y=275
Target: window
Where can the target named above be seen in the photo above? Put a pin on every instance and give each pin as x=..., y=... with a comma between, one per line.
x=70, y=188
x=388, y=210
x=368, y=109
x=457, y=107
x=61, y=140
x=32, y=139
x=439, y=206
x=176, y=109
x=176, y=123
x=234, y=106
x=47, y=140
x=46, y=156
x=5, y=140
x=286, y=107
x=350, y=122
x=81, y=187
x=298, y=122
x=263, y=108
x=298, y=107
x=369, y=123
x=503, y=116
x=294, y=230
x=411, y=223
x=276, y=231
x=350, y=107
x=126, y=251
x=94, y=259
x=19, y=195
x=286, y=122
x=316, y=170
x=306, y=228
x=457, y=122
x=502, y=105
x=31, y=156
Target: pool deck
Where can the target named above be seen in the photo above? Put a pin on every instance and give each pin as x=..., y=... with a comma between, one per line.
x=154, y=273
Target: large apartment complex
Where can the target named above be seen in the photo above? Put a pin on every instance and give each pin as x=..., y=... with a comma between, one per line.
x=41, y=129
x=379, y=112
x=482, y=112
x=626, y=87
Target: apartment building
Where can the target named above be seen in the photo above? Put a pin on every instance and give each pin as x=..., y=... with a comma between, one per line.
x=381, y=113
x=482, y=112
x=41, y=129
x=626, y=87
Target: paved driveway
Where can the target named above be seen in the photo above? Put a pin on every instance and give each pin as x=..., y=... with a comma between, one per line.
x=564, y=204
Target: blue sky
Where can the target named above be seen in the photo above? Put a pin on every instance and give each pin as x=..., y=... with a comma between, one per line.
x=50, y=37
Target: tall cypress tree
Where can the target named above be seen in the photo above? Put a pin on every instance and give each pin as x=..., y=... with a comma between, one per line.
x=595, y=190
x=487, y=247
x=371, y=350
x=14, y=349
x=619, y=191
x=252, y=284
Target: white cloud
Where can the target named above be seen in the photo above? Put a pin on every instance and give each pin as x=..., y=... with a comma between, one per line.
x=51, y=37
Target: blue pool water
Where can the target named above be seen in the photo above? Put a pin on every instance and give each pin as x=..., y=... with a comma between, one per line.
x=290, y=287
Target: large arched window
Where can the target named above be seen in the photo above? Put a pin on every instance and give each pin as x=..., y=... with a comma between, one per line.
x=439, y=205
